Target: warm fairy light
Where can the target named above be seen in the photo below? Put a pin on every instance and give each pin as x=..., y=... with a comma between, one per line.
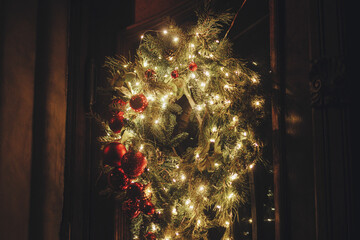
x=217, y=41
x=137, y=83
x=251, y=166
x=199, y=222
x=191, y=207
x=166, y=75
x=199, y=107
x=153, y=226
x=211, y=55
x=157, y=121
x=255, y=63
x=187, y=202
x=211, y=102
x=125, y=66
x=218, y=206
x=201, y=188
x=176, y=233
x=207, y=73
x=217, y=97
x=235, y=119
x=257, y=103
x=141, y=147
x=233, y=176
x=202, y=84
x=150, y=98
x=174, y=180
x=245, y=134
x=145, y=63
x=183, y=177
x=170, y=58
x=227, y=74
x=197, y=155
x=174, y=211
x=256, y=145
x=142, y=116
x=197, y=34
x=231, y=195
x=250, y=220
x=159, y=57
x=227, y=223
x=165, y=32
x=175, y=39
x=212, y=140
x=239, y=145
x=226, y=86
x=142, y=36
x=216, y=164
x=214, y=129
x=192, y=75
x=227, y=101
x=192, y=45
x=254, y=80
x=163, y=106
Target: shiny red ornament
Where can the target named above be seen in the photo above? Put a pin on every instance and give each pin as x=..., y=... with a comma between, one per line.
x=135, y=191
x=138, y=103
x=193, y=67
x=150, y=74
x=113, y=153
x=147, y=207
x=133, y=164
x=132, y=208
x=116, y=123
x=174, y=74
x=150, y=236
x=117, y=179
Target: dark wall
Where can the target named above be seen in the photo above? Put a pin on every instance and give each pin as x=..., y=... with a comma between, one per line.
x=33, y=64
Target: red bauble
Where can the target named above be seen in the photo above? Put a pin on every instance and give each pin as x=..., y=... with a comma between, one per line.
x=150, y=236
x=150, y=74
x=117, y=179
x=133, y=164
x=113, y=153
x=147, y=208
x=132, y=208
x=135, y=191
x=192, y=66
x=174, y=74
x=118, y=106
x=138, y=103
x=116, y=123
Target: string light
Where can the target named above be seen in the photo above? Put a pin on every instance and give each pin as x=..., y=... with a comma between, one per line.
x=201, y=188
x=233, y=176
x=165, y=32
x=183, y=177
x=251, y=166
x=142, y=36
x=176, y=39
